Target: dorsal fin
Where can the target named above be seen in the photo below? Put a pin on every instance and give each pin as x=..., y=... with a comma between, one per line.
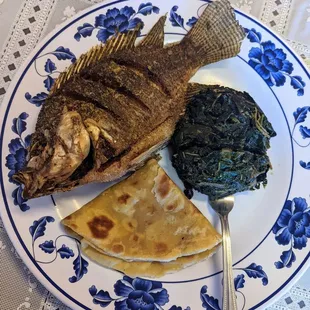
x=156, y=35
x=119, y=42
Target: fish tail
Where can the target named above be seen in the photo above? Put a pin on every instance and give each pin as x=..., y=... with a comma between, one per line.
x=216, y=35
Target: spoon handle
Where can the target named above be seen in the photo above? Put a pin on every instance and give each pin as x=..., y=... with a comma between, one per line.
x=229, y=295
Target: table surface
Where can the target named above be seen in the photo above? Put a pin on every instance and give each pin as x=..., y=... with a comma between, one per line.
x=23, y=23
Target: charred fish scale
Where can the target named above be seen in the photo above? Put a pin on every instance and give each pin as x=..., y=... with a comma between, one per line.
x=128, y=122
x=155, y=68
x=92, y=91
x=119, y=103
x=126, y=80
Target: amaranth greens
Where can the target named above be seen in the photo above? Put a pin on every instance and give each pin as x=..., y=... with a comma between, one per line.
x=220, y=144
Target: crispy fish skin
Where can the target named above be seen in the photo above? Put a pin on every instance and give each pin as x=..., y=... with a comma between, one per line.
x=119, y=103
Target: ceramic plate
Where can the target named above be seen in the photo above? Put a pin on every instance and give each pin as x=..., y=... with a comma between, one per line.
x=270, y=227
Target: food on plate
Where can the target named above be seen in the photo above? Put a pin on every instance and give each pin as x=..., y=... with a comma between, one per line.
x=145, y=218
x=119, y=103
x=152, y=269
x=221, y=142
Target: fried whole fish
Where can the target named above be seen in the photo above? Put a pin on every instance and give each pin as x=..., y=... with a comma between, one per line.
x=119, y=103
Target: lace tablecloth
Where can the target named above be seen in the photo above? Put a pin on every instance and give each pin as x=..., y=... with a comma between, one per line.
x=23, y=23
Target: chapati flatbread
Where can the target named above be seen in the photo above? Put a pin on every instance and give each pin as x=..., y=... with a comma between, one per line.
x=144, y=269
x=144, y=218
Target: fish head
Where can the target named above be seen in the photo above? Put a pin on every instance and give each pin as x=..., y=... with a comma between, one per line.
x=64, y=150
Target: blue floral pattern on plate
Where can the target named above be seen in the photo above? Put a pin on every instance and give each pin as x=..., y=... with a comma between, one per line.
x=271, y=64
x=37, y=230
x=208, y=302
x=61, y=53
x=252, y=271
x=292, y=228
x=16, y=160
x=300, y=116
x=134, y=294
x=115, y=20
x=178, y=21
x=174, y=307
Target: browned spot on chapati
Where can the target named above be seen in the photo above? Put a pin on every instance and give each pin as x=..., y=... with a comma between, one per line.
x=100, y=226
x=118, y=248
x=195, y=210
x=161, y=247
x=163, y=186
x=123, y=199
x=73, y=226
x=172, y=207
x=148, y=222
x=135, y=238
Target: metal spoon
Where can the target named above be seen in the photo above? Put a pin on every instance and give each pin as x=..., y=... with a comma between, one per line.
x=222, y=207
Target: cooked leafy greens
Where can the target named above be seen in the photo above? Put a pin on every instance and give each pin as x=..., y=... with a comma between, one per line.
x=220, y=144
